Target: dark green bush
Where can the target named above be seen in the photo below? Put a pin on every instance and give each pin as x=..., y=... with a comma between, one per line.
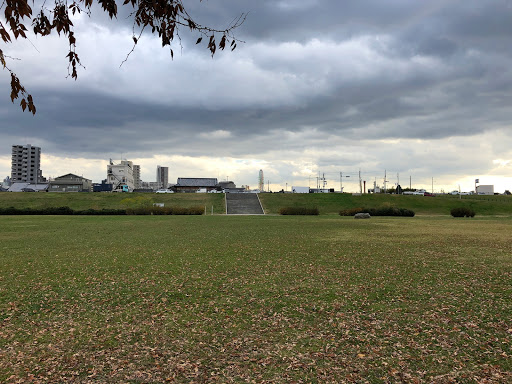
x=102, y=212
x=352, y=211
x=299, y=211
x=462, y=212
x=37, y=211
x=198, y=210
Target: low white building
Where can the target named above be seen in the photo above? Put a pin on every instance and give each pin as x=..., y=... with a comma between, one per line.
x=120, y=176
x=485, y=190
x=300, y=189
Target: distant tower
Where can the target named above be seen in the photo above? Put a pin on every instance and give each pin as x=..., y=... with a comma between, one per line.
x=261, y=181
x=162, y=176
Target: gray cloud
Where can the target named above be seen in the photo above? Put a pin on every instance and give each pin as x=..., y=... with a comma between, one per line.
x=311, y=76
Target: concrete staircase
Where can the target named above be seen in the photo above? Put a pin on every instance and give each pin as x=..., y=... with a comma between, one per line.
x=243, y=204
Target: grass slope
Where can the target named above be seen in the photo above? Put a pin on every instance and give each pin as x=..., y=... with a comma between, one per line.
x=83, y=201
x=332, y=203
x=270, y=299
x=329, y=203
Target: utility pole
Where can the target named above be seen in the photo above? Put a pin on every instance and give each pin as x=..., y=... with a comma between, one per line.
x=410, y=182
x=432, y=185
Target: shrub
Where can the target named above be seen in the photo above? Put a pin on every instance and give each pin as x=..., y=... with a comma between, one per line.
x=197, y=210
x=462, y=212
x=104, y=211
x=37, y=211
x=352, y=211
x=299, y=211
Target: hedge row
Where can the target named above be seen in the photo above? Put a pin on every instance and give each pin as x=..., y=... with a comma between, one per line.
x=299, y=211
x=462, y=212
x=381, y=211
x=197, y=210
x=69, y=211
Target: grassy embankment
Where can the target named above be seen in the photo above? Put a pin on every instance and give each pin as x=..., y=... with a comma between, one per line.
x=332, y=203
x=83, y=201
x=327, y=299
x=327, y=203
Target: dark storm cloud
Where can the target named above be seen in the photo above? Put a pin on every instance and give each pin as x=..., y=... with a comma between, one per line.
x=437, y=69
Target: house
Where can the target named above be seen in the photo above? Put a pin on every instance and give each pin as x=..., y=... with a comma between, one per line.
x=230, y=187
x=70, y=183
x=190, y=184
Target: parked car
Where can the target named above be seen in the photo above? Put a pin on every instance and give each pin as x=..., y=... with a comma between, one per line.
x=27, y=190
x=428, y=194
x=164, y=191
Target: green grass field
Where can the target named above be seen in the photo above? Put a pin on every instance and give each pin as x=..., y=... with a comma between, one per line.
x=328, y=299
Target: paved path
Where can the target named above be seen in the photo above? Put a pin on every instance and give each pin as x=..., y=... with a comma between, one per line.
x=243, y=204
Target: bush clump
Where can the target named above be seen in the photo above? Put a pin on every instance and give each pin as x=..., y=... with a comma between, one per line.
x=462, y=212
x=352, y=211
x=36, y=211
x=299, y=211
x=197, y=210
x=101, y=212
x=380, y=211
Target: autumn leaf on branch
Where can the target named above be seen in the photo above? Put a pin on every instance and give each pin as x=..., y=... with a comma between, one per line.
x=162, y=17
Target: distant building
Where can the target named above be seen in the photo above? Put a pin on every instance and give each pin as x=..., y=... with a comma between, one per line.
x=102, y=187
x=226, y=184
x=485, y=190
x=189, y=184
x=153, y=185
x=70, y=183
x=300, y=189
x=6, y=183
x=261, y=181
x=28, y=187
x=136, y=177
x=230, y=187
x=321, y=190
x=162, y=176
x=26, y=164
x=120, y=176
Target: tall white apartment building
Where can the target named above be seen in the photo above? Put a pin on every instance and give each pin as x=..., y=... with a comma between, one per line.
x=120, y=176
x=26, y=164
x=162, y=176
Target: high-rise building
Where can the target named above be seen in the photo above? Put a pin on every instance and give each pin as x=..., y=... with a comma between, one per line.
x=261, y=181
x=26, y=164
x=136, y=176
x=162, y=176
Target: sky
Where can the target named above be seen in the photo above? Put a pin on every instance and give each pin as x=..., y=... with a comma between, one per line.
x=419, y=91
